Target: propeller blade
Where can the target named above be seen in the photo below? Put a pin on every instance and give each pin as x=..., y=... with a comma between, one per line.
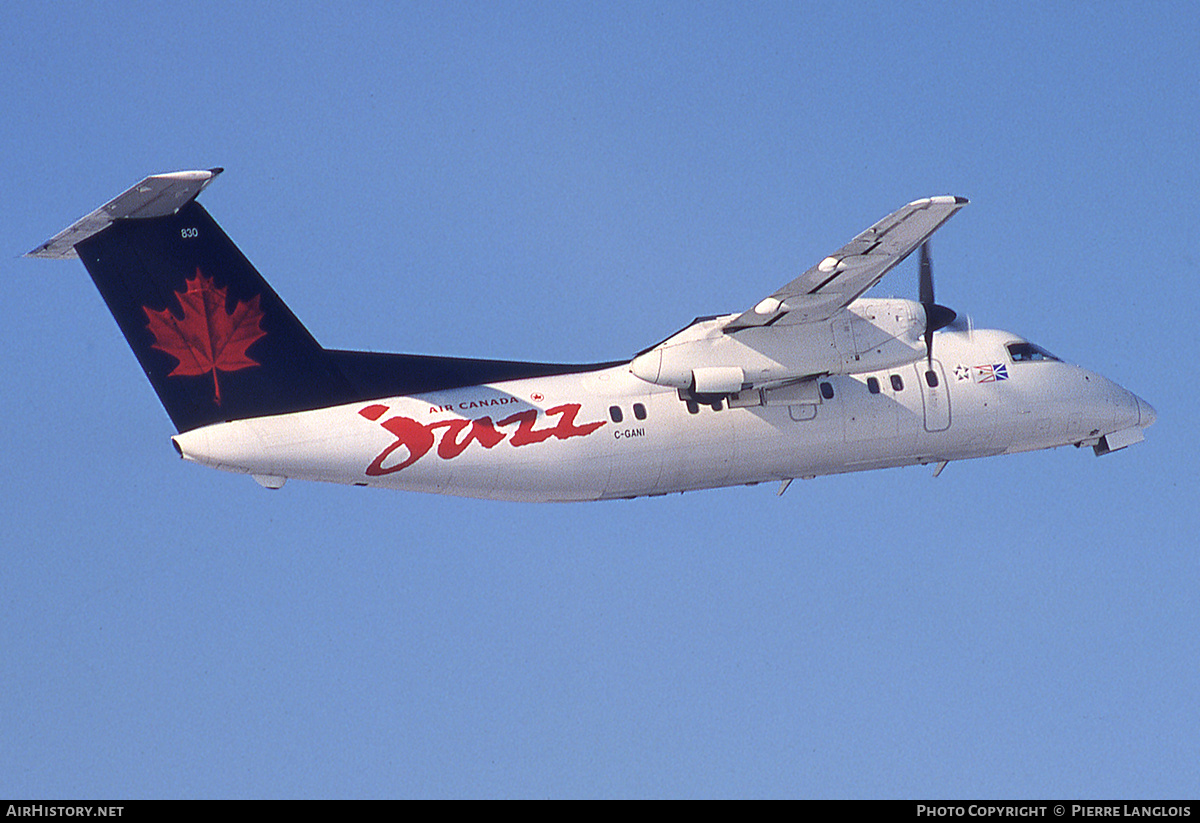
x=936, y=316
x=926, y=275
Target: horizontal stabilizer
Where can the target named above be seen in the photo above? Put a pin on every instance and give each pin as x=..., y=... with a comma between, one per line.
x=157, y=196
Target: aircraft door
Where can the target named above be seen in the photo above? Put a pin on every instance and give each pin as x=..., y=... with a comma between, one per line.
x=934, y=395
x=634, y=439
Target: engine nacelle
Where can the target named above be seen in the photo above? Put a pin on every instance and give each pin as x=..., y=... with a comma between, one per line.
x=871, y=335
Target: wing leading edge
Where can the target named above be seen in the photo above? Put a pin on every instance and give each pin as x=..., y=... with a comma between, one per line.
x=844, y=275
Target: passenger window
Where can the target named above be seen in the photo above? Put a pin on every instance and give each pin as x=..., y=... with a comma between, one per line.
x=639, y=411
x=615, y=413
x=873, y=385
x=931, y=378
x=897, y=383
x=827, y=391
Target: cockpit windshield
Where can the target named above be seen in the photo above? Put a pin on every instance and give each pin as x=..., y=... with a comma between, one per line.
x=1027, y=352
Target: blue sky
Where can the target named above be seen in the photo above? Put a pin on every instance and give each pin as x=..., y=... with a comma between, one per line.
x=574, y=182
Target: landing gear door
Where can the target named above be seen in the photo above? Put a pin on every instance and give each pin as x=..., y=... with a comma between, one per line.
x=934, y=395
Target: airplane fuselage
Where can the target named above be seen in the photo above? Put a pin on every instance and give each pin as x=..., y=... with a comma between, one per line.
x=609, y=434
x=816, y=378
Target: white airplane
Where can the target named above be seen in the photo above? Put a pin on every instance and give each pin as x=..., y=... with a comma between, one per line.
x=814, y=379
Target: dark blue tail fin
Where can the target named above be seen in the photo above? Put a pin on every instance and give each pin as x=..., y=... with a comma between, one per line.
x=215, y=340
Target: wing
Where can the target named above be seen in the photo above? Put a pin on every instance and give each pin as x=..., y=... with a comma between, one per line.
x=844, y=275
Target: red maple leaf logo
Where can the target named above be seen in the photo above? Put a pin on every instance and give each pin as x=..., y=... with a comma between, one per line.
x=208, y=337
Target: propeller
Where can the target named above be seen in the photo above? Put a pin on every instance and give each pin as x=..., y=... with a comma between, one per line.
x=936, y=316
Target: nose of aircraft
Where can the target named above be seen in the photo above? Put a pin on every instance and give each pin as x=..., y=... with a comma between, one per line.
x=1146, y=413
x=1114, y=407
